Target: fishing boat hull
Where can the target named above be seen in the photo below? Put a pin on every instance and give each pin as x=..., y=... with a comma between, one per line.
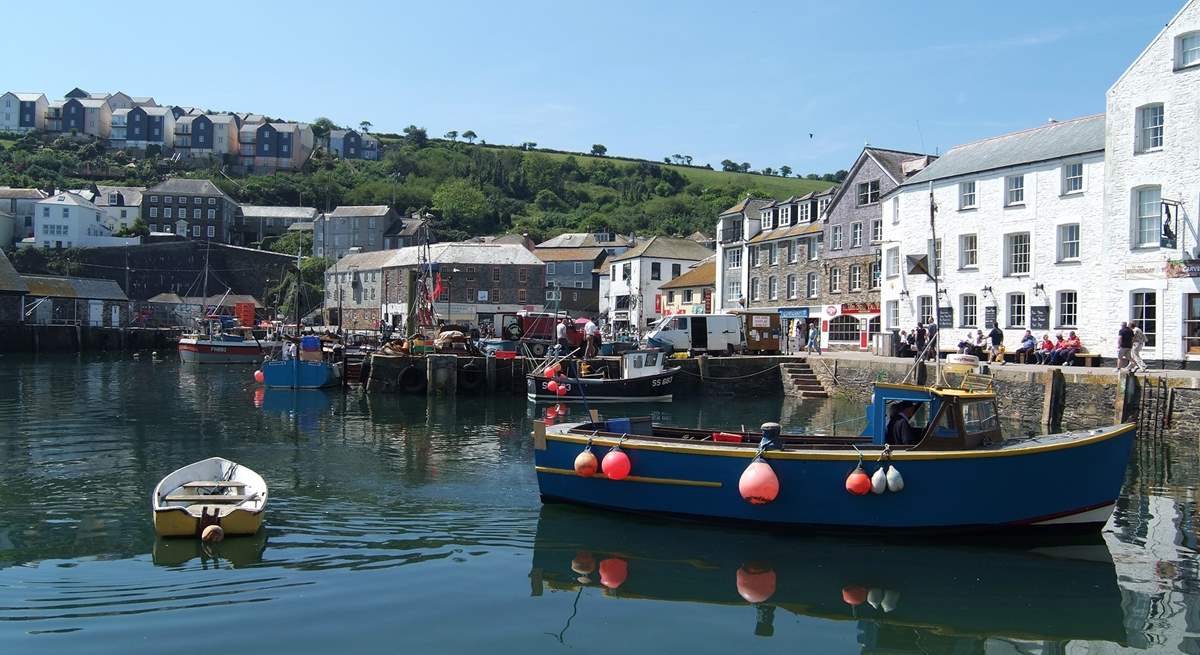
x=1064, y=482
x=204, y=351
x=298, y=374
x=650, y=388
x=213, y=491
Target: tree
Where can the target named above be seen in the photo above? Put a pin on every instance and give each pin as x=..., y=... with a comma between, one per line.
x=451, y=135
x=785, y=170
x=365, y=126
x=666, y=160
x=462, y=206
x=687, y=159
x=416, y=136
x=745, y=167
x=598, y=149
x=138, y=229
x=291, y=242
x=322, y=127
x=727, y=165
x=528, y=145
x=812, y=176
x=841, y=176
x=470, y=136
x=768, y=171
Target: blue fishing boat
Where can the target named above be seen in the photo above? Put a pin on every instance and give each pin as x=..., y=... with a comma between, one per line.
x=300, y=374
x=961, y=475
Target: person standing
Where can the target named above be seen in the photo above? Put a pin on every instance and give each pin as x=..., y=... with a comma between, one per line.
x=996, y=349
x=1124, y=345
x=931, y=333
x=1139, y=342
x=921, y=337
x=814, y=339
x=591, y=334
x=560, y=332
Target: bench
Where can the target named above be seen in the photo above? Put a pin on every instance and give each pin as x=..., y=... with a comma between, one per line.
x=201, y=498
x=206, y=484
x=1082, y=358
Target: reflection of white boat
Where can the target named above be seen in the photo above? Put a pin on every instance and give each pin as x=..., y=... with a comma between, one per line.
x=214, y=491
x=961, y=363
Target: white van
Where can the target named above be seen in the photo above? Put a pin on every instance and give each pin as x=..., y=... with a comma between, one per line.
x=699, y=333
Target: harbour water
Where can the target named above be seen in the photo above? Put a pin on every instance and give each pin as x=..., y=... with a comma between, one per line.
x=402, y=524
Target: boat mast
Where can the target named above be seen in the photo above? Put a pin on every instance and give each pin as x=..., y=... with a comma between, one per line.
x=204, y=292
x=934, y=267
x=296, y=292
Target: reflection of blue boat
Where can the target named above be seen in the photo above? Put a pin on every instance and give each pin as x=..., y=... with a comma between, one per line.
x=298, y=374
x=1045, y=590
x=305, y=402
x=961, y=476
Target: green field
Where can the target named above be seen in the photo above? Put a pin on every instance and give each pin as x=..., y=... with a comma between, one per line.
x=6, y=142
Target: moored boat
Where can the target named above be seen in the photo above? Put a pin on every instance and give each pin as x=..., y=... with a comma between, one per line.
x=311, y=368
x=214, y=491
x=223, y=348
x=960, y=476
x=643, y=378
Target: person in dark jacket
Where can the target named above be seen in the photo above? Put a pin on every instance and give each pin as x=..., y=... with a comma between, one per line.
x=900, y=431
x=1124, y=345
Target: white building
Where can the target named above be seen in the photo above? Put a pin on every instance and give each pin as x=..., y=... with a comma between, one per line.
x=735, y=227
x=22, y=112
x=1020, y=234
x=67, y=220
x=1152, y=194
x=636, y=275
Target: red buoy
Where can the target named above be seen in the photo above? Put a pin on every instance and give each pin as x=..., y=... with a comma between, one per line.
x=854, y=595
x=552, y=386
x=758, y=485
x=755, y=585
x=586, y=464
x=561, y=409
x=858, y=482
x=260, y=395
x=258, y=376
x=613, y=572
x=616, y=465
x=560, y=389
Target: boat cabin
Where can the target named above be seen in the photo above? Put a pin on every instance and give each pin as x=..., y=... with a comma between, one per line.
x=641, y=363
x=947, y=419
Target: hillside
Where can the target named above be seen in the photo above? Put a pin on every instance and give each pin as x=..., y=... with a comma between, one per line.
x=470, y=189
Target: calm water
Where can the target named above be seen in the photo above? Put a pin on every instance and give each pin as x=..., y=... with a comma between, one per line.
x=401, y=525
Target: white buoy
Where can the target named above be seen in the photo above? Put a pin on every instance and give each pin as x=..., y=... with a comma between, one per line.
x=891, y=599
x=878, y=481
x=875, y=597
x=894, y=481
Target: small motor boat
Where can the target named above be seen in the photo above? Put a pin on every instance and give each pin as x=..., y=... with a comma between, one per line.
x=214, y=491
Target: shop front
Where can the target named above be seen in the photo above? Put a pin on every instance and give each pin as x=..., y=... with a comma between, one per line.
x=850, y=326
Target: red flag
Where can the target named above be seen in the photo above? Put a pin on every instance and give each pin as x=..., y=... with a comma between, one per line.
x=437, y=285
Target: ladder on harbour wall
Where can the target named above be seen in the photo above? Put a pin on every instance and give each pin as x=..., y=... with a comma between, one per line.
x=1148, y=401
x=799, y=380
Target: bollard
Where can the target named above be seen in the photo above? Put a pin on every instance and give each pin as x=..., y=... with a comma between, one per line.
x=489, y=373
x=441, y=373
x=1054, y=401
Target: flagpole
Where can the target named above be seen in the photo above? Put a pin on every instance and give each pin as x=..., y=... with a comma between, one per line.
x=937, y=292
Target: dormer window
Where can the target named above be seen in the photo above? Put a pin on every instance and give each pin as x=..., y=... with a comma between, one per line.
x=785, y=215
x=805, y=211
x=1187, y=50
x=767, y=221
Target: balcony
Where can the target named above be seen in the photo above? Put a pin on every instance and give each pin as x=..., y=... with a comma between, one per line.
x=731, y=234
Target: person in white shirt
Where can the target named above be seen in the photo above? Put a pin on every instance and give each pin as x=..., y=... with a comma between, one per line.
x=592, y=333
x=561, y=333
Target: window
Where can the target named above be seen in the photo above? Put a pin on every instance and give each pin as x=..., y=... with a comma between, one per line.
x=613, y=273
x=766, y=219
x=1148, y=221
x=1150, y=127
x=688, y=295
x=756, y=255
x=523, y=275
x=773, y=255
x=195, y=230
x=1072, y=178
x=893, y=313
x=822, y=205
x=522, y=296
x=856, y=277
x=773, y=288
x=676, y=269
x=754, y=289
x=154, y=212
x=552, y=268
x=1189, y=50
x=875, y=278
x=1068, y=309
x=371, y=223
x=968, y=251
x=936, y=246
x=212, y=214
x=626, y=271
x=966, y=195
x=733, y=258
x=785, y=215
x=212, y=231
x=791, y=286
x=968, y=307
x=183, y=200
x=868, y=193
x=66, y=212
x=1016, y=310
x=1016, y=254
x=855, y=235
x=494, y=295
x=212, y=201
x=812, y=283
x=166, y=212
x=734, y=289
x=877, y=230
x=1014, y=190
x=495, y=274
x=925, y=309
x=1068, y=242
x=896, y=210
x=814, y=249
x=835, y=237
x=835, y=280
x=655, y=271
x=893, y=262
x=196, y=214
x=805, y=213
x=153, y=198
x=671, y=297
x=181, y=230
x=843, y=328
x=579, y=268
x=153, y=227
x=1144, y=306
x=578, y=285
x=168, y=199
x=794, y=252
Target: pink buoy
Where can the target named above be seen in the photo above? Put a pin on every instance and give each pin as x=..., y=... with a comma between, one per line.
x=561, y=389
x=854, y=595
x=260, y=396
x=758, y=485
x=616, y=464
x=586, y=464
x=552, y=386
x=258, y=376
x=754, y=584
x=613, y=572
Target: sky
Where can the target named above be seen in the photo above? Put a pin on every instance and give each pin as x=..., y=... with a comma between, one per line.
x=748, y=81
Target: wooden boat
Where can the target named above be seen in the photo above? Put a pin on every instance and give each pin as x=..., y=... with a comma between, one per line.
x=223, y=348
x=643, y=378
x=1054, y=589
x=962, y=476
x=214, y=491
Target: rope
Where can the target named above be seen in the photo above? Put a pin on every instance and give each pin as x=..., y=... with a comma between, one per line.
x=740, y=377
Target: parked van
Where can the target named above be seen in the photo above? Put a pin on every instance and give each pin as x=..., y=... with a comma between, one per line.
x=699, y=333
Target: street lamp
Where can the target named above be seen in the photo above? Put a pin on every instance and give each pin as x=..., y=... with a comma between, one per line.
x=448, y=278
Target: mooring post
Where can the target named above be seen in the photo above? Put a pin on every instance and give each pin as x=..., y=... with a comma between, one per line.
x=1054, y=399
x=1128, y=389
x=702, y=363
x=441, y=373
x=489, y=373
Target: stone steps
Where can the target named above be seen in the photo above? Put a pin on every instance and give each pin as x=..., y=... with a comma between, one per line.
x=799, y=380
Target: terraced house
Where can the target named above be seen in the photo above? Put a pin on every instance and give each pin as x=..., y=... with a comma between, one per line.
x=206, y=135
x=269, y=147
x=196, y=209
x=852, y=262
x=22, y=112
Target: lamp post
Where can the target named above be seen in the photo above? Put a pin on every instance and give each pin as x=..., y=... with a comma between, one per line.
x=448, y=279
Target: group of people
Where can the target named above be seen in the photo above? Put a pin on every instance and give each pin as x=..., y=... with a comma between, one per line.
x=1130, y=341
x=591, y=338
x=991, y=347
x=920, y=343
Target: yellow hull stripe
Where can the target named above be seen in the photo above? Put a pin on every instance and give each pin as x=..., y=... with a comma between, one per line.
x=632, y=443
x=177, y=522
x=632, y=478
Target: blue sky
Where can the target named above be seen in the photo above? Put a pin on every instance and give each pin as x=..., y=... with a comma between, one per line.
x=747, y=81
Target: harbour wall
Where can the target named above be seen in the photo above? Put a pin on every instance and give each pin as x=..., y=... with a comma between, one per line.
x=82, y=338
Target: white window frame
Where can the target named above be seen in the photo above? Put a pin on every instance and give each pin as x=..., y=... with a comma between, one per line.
x=876, y=275
x=773, y=288
x=1014, y=190
x=867, y=193
x=813, y=285
x=893, y=314
x=785, y=215
x=835, y=237
x=968, y=251
x=1067, y=238
x=734, y=289
x=835, y=280
x=768, y=219
x=1151, y=127
x=966, y=195
x=856, y=277
x=755, y=292
x=1187, y=51
x=876, y=230
x=856, y=232
x=968, y=310
x=893, y=262
x=733, y=258
x=1061, y=314
x=551, y=268
x=1072, y=178
x=579, y=268
x=1016, y=310
x=1018, y=254
x=1145, y=314
x=1147, y=212
x=791, y=285
x=794, y=252
x=212, y=231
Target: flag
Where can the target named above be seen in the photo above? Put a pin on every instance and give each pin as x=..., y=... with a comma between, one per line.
x=437, y=286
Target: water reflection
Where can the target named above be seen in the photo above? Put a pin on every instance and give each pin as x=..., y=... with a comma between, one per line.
x=236, y=552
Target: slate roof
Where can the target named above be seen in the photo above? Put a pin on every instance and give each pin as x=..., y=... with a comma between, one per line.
x=271, y=211
x=568, y=254
x=156, y=110
x=93, y=103
x=584, y=240
x=131, y=194
x=9, y=193
x=10, y=280
x=74, y=287
x=788, y=232
x=225, y=300
x=748, y=205
x=301, y=226
x=666, y=248
x=490, y=254
x=701, y=275
x=69, y=198
x=892, y=161
x=187, y=187
x=358, y=210
x=1051, y=141
x=28, y=97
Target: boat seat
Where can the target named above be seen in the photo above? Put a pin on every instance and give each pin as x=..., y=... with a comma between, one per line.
x=202, y=498
x=203, y=484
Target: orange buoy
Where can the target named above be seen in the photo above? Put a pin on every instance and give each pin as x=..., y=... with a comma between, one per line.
x=759, y=485
x=616, y=465
x=613, y=572
x=586, y=464
x=212, y=534
x=258, y=376
x=854, y=595
x=260, y=396
x=561, y=389
x=858, y=482
x=552, y=386
x=583, y=563
x=755, y=585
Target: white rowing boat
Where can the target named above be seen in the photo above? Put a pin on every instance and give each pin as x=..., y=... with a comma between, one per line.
x=214, y=491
